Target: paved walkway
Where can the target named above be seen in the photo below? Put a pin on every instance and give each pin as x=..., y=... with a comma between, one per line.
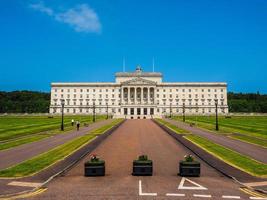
x=253, y=151
x=24, y=152
x=131, y=139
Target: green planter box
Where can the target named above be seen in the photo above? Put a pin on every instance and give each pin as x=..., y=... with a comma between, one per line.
x=142, y=168
x=94, y=168
x=189, y=168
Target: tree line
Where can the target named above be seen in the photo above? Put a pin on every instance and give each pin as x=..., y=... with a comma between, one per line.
x=250, y=102
x=38, y=102
x=24, y=102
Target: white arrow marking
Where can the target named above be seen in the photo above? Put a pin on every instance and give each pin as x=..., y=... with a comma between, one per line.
x=144, y=194
x=196, y=187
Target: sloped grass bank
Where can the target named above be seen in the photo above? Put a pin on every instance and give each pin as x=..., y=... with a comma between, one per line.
x=22, y=141
x=231, y=157
x=42, y=161
x=251, y=140
x=172, y=127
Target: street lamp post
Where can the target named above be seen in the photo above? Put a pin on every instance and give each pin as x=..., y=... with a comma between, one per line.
x=183, y=112
x=216, y=111
x=170, y=110
x=107, y=110
x=62, y=114
x=94, y=112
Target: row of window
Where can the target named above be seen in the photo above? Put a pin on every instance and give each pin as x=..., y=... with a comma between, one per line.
x=192, y=90
x=86, y=96
x=158, y=90
x=84, y=90
x=138, y=110
x=138, y=96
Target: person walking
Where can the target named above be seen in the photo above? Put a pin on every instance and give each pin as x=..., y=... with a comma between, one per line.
x=78, y=125
x=72, y=122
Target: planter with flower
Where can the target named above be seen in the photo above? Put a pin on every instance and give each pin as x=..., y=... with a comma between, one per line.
x=94, y=167
x=189, y=166
x=142, y=166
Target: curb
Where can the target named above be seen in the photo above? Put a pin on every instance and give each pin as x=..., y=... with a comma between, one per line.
x=212, y=161
x=81, y=153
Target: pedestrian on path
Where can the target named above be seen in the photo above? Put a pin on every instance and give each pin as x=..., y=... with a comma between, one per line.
x=72, y=122
x=78, y=125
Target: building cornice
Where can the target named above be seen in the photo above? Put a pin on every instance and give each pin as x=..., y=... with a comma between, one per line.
x=84, y=84
x=194, y=84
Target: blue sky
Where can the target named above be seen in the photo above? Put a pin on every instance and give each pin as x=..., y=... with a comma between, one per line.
x=77, y=40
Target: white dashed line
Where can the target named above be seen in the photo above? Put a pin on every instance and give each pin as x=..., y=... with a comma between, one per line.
x=202, y=195
x=258, y=198
x=175, y=195
x=231, y=197
x=144, y=194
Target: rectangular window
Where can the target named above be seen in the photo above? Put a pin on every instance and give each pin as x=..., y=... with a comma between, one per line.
x=145, y=111
x=132, y=111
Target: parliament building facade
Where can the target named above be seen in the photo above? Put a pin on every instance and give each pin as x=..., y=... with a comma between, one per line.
x=139, y=94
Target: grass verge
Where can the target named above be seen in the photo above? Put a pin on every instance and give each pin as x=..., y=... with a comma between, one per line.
x=231, y=157
x=42, y=161
x=22, y=141
x=251, y=140
x=172, y=127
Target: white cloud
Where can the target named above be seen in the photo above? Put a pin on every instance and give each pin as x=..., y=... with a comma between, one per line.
x=82, y=18
x=42, y=8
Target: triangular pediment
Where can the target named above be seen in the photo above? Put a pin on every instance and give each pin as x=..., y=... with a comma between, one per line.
x=138, y=81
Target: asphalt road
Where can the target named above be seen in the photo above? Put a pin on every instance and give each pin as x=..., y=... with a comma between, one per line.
x=132, y=138
x=24, y=152
x=253, y=151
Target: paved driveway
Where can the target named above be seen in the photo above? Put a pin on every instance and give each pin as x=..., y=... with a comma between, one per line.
x=131, y=139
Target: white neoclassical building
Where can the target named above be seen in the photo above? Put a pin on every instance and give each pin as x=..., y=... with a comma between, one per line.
x=139, y=94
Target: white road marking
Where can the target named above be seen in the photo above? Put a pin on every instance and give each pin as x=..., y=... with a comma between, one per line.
x=24, y=184
x=253, y=184
x=202, y=195
x=175, y=195
x=230, y=197
x=262, y=198
x=144, y=194
x=196, y=187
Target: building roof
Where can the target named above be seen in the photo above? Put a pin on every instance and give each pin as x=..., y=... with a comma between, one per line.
x=138, y=73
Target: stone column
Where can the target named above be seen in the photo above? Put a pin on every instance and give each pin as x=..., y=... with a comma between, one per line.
x=135, y=95
x=142, y=95
x=122, y=95
x=129, y=96
x=148, y=95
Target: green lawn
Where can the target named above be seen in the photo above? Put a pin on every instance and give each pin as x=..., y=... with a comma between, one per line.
x=172, y=127
x=231, y=157
x=12, y=127
x=254, y=126
x=42, y=161
x=19, y=130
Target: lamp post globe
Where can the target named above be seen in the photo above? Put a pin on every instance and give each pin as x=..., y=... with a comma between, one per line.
x=62, y=114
